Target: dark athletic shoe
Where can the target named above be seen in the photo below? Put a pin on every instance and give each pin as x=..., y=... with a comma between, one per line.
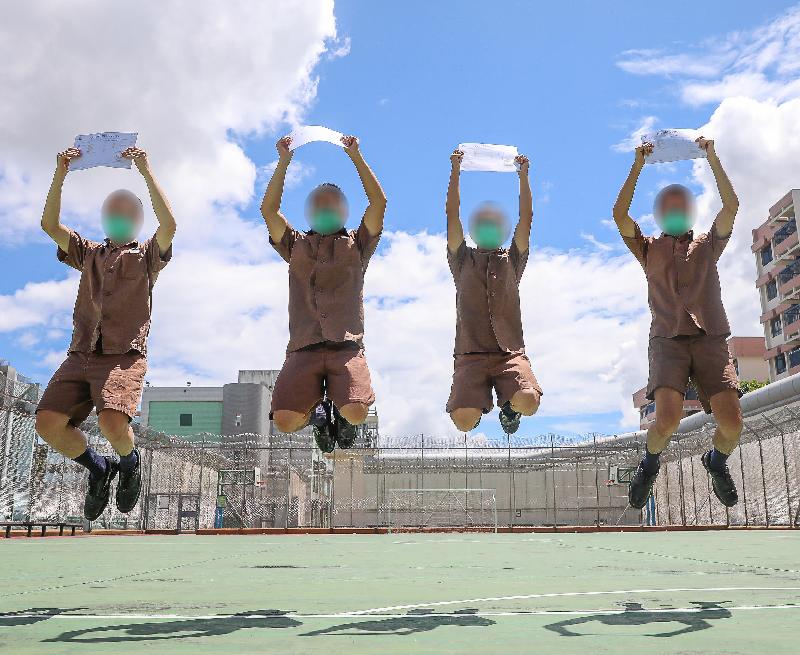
x=323, y=427
x=345, y=433
x=640, y=488
x=99, y=491
x=722, y=482
x=129, y=487
x=509, y=419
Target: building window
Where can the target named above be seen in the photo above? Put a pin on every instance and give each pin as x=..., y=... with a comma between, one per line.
x=776, y=327
x=772, y=289
x=794, y=357
x=792, y=314
x=780, y=364
x=691, y=393
x=185, y=420
x=766, y=254
x=785, y=232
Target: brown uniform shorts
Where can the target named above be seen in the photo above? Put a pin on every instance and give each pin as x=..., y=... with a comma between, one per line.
x=703, y=358
x=87, y=380
x=341, y=367
x=475, y=374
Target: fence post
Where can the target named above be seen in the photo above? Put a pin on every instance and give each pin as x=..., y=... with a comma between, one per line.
x=510, y=486
x=422, y=479
x=680, y=483
x=553, y=475
x=596, y=482
x=744, y=485
x=763, y=481
x=288, y=481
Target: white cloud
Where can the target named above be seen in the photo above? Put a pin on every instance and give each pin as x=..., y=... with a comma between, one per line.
x=634, y=140
x=192, y=83
x=762, y=64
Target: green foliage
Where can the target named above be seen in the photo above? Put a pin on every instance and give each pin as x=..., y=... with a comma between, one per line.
x=746, y=386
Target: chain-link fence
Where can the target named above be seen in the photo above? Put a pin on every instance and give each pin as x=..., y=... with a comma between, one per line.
x=279, y=481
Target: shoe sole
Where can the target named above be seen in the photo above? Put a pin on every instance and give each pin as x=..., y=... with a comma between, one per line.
x=135, y=500
x=108, y=499
x=714, y=489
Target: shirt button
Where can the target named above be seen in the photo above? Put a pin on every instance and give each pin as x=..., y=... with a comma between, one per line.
x=492, y=293
x=324, y=315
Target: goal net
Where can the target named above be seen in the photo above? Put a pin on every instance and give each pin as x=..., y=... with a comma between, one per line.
x=442, y=508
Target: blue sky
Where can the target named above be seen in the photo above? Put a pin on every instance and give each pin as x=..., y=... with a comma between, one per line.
x=420, y=77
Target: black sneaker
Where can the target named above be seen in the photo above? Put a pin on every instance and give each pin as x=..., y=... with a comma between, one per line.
x=345, y=433
x=509, y=419
x=99, y=491
x=129, y=486
x=721, y=481
x=323, y=427
x=641, y=486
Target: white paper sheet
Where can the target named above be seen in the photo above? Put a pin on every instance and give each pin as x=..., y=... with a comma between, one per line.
x=103, y=149
x=308, y=133
x=673, y=145
x=488, y=157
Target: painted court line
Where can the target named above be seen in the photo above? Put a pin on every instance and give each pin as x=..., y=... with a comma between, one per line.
x=422, y=617
x=566, y=594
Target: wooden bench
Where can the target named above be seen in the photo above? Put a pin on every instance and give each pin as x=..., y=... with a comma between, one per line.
x=30, y=525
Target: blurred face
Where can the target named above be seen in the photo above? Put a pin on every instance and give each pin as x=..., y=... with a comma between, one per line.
x=674, y=202
x=489, y=228
x=674, y=210
x=122, y=217
x=327, y=211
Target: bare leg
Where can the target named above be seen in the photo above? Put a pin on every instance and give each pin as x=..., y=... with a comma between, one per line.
x=116, y=428
x=526, y=402
x=288, y=421
x=354, y=413
x=465, y=418
x=669, y=411
x=728, y=414
x=60, y=434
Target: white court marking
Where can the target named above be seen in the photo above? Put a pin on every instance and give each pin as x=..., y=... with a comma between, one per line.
x=565, y=594
x=392, y=612
x=356, y=615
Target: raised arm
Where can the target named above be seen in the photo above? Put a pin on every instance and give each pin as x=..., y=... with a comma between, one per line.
x=522, y=235
x=271, y=204
x=376, y=209
x=51, y=215
x=166, y=220
x=455, y=231
x=625, y=224
x=730, y=202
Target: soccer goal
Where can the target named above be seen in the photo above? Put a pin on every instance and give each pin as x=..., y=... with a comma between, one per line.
x=442, y=508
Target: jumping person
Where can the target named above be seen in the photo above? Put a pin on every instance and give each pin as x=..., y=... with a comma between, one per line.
x=106, y=362
x=325, y=355
x=489, y=348
x=689, y=329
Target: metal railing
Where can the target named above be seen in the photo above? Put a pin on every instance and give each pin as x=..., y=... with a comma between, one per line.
x=281, y=481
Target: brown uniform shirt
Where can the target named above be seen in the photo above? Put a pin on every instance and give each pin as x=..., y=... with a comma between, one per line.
x=326, y=284
x=488, y=317
x=682, y=282
x=112, y=310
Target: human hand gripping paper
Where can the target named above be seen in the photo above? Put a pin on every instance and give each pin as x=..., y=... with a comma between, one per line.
x=488, y=157
x=304, y=134
x=673, y=145
x=103, y=149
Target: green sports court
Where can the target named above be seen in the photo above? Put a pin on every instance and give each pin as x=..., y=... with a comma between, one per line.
x=719, y=591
